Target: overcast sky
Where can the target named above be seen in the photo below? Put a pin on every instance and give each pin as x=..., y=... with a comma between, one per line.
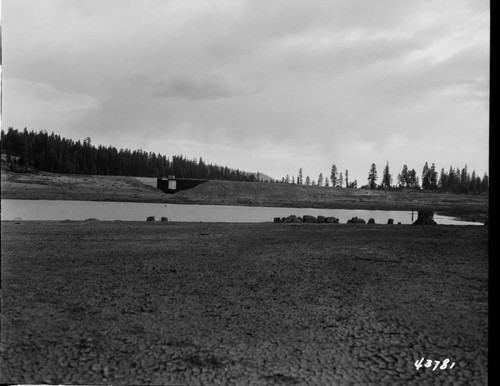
x=261, y=85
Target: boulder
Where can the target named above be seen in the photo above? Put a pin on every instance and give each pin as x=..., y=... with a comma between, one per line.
x=309, y=219
x=356, y=220
x=164, y=219
x=290, y=219
x=151, y=218
x=371, y=221
x=332, y=220
x=321, y=219
x=390, y=221
x=425, y=217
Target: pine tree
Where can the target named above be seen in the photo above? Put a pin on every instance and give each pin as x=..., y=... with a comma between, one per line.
x=413, y=179
x=341, y=180
x=452, y=182
x=320, y=179
x=346, y=178
x=386, y=178
x=485, y=184
x=464, y=180
x=425, y=177
x=472, y=182
x=443, y=180
x=372, y=177
x=299, y=177
x=333, y=175
x=432, y=177
x=404, y=180
x=308, y=181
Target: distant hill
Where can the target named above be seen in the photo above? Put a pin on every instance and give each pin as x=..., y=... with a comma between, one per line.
x=28, y=151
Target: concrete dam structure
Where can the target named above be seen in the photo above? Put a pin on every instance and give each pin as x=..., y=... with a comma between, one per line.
x=173, y=185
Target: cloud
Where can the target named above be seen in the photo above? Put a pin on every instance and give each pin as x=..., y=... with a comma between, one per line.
x=306, y=82
x=210, y=85
x=40, y=105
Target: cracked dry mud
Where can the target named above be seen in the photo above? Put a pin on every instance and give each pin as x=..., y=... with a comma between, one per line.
x=185, y=303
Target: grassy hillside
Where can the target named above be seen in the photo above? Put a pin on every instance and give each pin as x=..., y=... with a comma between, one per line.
x=287, y=195
x=49, y=186
x=116, y=188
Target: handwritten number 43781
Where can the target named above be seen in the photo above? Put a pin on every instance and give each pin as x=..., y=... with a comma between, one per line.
x=428, y=363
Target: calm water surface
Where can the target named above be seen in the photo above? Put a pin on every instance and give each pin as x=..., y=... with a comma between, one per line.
x=40, y=210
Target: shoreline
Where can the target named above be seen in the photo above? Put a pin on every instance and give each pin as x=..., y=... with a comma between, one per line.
x=457, y=213
x=47, y=186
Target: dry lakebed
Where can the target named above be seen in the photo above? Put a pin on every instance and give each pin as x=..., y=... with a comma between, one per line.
x=94, y=302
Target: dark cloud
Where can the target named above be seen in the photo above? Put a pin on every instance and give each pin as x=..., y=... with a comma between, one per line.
x=204, y=87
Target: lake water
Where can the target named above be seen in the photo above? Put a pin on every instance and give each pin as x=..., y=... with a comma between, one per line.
x=54, y=210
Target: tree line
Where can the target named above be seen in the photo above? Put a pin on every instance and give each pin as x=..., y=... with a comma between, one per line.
x=336, y=179
x=51, y=153
x=456, y=180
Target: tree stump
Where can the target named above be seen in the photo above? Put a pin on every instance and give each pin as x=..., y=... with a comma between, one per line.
x=425, y=217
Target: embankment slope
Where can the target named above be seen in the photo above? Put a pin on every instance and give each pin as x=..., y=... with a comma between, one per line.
x=287, y=195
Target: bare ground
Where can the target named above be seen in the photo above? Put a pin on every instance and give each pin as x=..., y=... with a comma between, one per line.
x=50, y=186
x=115, y=188
x=165, y=303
